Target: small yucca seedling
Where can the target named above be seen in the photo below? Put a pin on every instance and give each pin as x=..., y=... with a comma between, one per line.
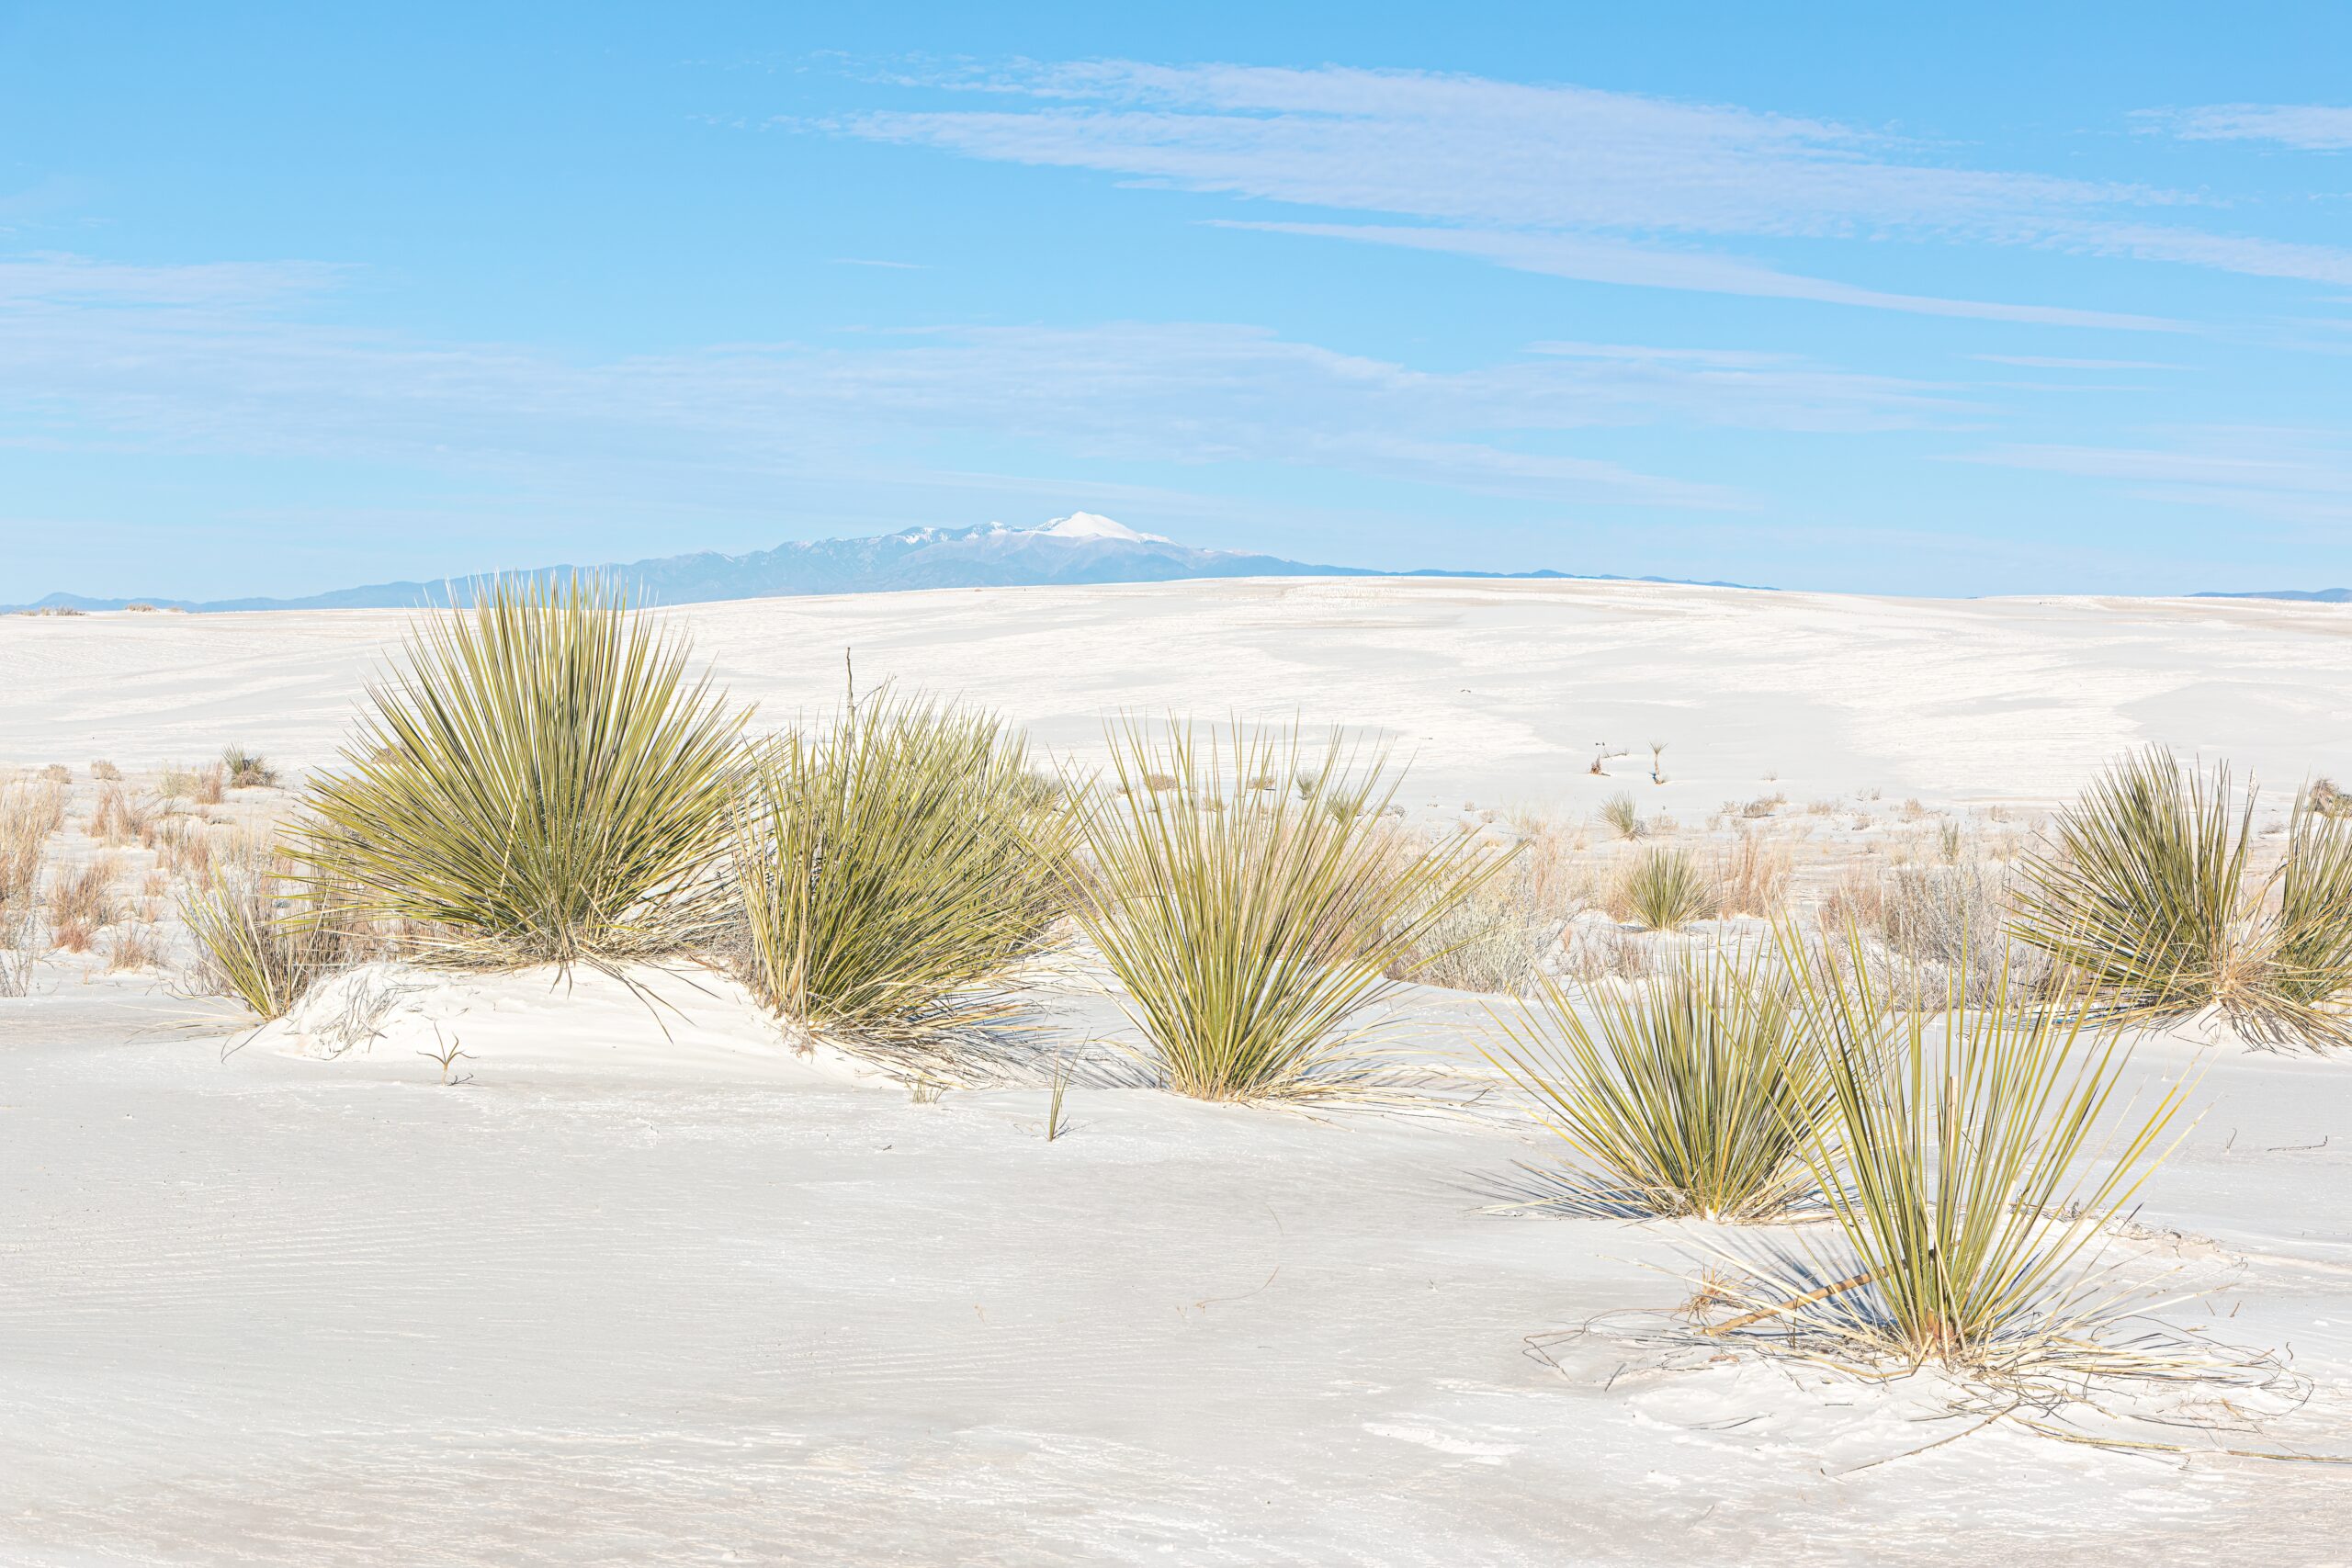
x=1971, y=1158
x=1622, y=815
x=1667, y=889
x=2146, y=890
x=1684, y=1094
x=1252, y=929
x=247, y=770
x=539, y=781
x=895, y=864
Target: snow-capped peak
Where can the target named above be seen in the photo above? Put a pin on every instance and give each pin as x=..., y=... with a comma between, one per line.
x=1092, y=526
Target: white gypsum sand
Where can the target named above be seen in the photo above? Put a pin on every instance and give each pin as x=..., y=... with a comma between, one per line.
x=651, y=1287
x=1495, y=690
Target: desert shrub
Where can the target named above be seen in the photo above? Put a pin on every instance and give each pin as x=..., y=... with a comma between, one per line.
x=262, y=931
x=1956, y=1154
x=1666, y=889
x=1250, y=929
x=82, y=899
x=538, y=782
x=106, y=772
x=1599, y=952
x=2146, y=888
x=1496, y=938
x=1685, y=1094
x=2325, y=799
x=1763, y=806
x=894, y=863
x=1622, y=815
x=247, y=770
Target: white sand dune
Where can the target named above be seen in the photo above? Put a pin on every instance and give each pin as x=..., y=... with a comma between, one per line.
x=1499, y=690
x=631, y=1298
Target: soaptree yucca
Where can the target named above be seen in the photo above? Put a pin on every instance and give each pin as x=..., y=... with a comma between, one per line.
x=1667, y=889
x=539, y=779
x=1252, y=926
x=892, y=864
x=1972, y=1158
x=2148, y=889
x=1681, y=1094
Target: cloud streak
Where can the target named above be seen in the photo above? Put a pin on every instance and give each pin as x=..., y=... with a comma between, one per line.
x=1572, y=181
x=2310, y=128
x=95, y=358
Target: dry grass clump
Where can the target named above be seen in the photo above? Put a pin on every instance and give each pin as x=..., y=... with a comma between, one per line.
x=263, y=931
x=82, y=900
x=2325, y=799
x=2147, y=889
x=1497, y=937
x=183, y=845
x=1752, y=876
x=1596, y=951
x=1957, y=1156
x=29, y=813
x=1622, y=815
x=1665, y=890
x=1251, y=928
x=894, y=865
x=133, y=945
x=1935, y=926
x=118, y=820
x=539, y=781
x=1687, y=1094
x=1763, y=806
x=247, y=770
x=106, y=772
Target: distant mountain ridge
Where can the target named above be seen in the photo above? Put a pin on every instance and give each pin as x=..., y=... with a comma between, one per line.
x=2306, y=595
x=1081, y=548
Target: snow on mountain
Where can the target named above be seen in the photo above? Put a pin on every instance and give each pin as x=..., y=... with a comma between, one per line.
x=1094, y=525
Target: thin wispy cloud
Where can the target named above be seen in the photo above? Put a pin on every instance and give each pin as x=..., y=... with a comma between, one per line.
x=1652, y=267
x=1571, y=180
x=2295, y=477
x=2058, y=362
x=97, y=357
x=2310, y=127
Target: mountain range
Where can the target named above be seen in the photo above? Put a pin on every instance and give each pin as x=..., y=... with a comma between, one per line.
x=2307, y=595
x=1079, y=548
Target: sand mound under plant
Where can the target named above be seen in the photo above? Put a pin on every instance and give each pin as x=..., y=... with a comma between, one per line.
x=639, y=1021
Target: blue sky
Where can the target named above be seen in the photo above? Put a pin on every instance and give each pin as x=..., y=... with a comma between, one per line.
x=2012, y=299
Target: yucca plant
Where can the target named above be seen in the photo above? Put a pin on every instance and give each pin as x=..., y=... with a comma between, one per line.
x=1251, y=929
x=1971, y=1158
x=2147, y=890
x=261, y=936
x=1683, y=1094
x=540, y=781
x=893, y=864
x=1624, y=818
x=1667, y=889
